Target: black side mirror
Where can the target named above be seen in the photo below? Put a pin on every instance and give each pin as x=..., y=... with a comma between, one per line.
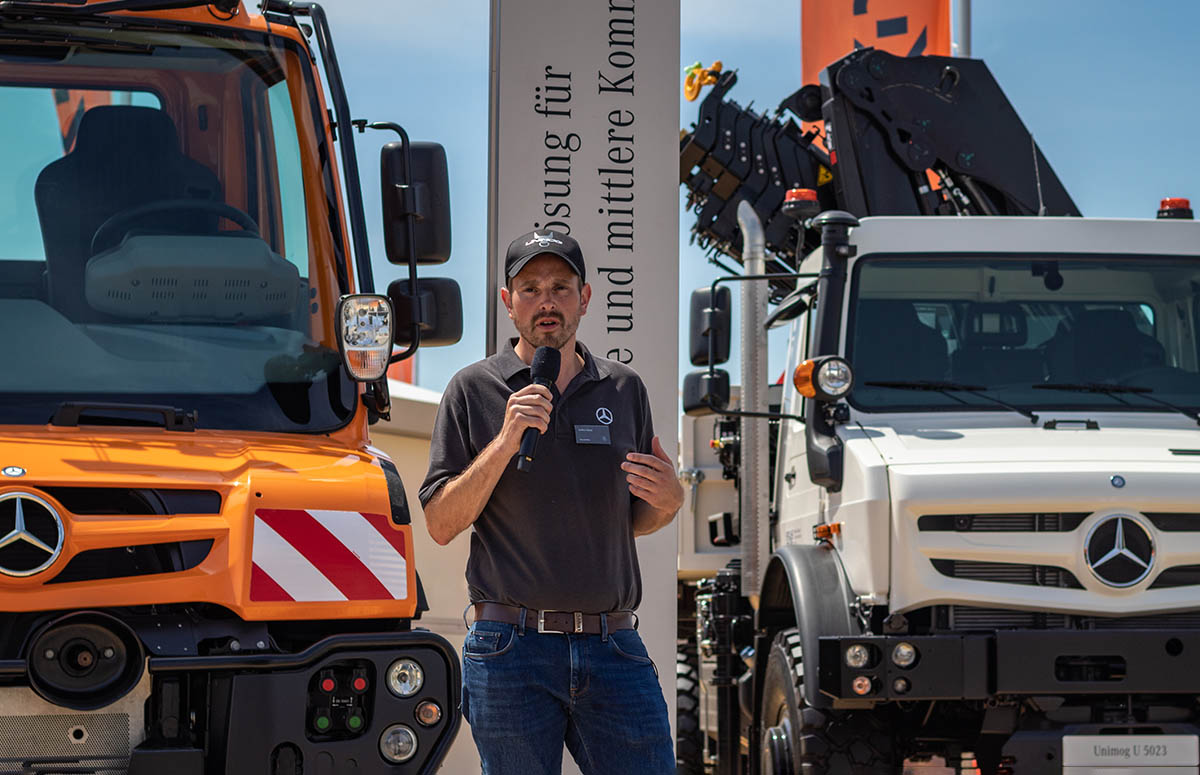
x=426, y=196
x=703, y=391
x=439, y=304
x=709, y=316
x=793, y=306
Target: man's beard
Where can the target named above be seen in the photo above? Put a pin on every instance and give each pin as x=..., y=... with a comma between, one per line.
x=555, y=338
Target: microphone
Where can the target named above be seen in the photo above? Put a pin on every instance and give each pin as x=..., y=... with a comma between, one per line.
x=544, y=371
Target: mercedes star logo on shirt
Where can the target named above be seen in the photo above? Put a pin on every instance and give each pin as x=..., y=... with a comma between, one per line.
x=604, y=416
x=31, y=534
x=1119, y=550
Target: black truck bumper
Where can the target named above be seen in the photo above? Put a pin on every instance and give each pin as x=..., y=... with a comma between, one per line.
x=323, y=709
x=1016, y=662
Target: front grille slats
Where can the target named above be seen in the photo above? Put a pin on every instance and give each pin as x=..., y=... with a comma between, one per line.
x=976, y=618
x=1001, y=523
x=1008, y=573
x=135, y=501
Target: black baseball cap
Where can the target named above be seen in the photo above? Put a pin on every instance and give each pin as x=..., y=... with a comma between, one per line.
x=526, y=247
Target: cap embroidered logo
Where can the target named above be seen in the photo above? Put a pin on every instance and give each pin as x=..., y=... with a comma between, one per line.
x=543, y=240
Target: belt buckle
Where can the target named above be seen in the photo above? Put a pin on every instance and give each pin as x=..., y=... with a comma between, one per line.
x=541, y=625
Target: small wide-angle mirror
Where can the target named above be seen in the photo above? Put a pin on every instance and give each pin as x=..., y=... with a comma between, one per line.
x=439, y=309
x=705, y=393
x=708, y=316
x=426, y=195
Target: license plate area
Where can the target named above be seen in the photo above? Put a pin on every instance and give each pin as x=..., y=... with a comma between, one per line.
x=1116, y=754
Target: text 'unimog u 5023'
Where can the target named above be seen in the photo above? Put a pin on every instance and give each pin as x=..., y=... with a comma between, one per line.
x=204, y=566
x=967, y=519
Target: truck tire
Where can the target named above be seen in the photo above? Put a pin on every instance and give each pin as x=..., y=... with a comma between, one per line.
x=801, y=740
x=689, y=740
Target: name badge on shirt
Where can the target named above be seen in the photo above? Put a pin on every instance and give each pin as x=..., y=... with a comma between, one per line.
x=592, y=434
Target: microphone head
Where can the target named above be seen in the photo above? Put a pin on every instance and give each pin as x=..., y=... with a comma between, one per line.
x=546, y=362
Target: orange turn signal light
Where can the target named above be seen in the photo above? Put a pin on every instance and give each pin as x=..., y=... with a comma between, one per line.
x=802, y=378
x=826, y=531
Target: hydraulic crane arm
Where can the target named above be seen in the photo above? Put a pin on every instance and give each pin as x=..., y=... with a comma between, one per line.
x=906, y=136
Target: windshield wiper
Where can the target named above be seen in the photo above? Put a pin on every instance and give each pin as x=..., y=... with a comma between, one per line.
x=72, y=413
x=1115, y=392
x=949, y=388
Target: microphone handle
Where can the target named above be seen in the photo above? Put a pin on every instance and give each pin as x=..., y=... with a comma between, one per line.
x=529, y=440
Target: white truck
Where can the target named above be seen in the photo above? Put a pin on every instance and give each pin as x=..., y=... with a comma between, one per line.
x=968, y=522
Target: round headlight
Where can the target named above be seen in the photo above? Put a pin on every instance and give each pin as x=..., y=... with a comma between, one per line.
x=398, y=744
x=857, y=656
x=405, y=678
x=834, y=377
x=904, y=655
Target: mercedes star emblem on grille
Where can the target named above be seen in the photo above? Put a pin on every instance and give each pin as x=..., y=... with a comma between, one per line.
x=31, y=534
x=1119, y=550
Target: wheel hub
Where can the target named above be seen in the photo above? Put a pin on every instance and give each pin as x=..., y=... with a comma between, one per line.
x=777, y=749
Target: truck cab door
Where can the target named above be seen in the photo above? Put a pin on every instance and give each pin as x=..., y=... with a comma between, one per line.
x=797, y=500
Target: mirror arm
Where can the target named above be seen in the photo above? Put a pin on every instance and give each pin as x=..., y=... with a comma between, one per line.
x=762, y=415
x=712, y=340
x=411, y=216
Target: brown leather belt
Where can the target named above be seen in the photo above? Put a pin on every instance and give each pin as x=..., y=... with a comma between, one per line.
x=554, y=621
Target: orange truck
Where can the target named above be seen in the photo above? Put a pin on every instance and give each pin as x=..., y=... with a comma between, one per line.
x=205, y=567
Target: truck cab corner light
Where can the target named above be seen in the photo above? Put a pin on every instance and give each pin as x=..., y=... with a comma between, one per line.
x=802, y=379
x=365, y=335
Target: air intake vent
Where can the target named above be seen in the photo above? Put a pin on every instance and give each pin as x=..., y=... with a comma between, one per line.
x=1000, y=523
x=136, y=501
x=1179, y=576
x=1175, y=523
x=1008, y=573
x=961, y=618
x=141, y=560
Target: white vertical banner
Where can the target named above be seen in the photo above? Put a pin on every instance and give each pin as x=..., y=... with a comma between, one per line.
x=584, y=139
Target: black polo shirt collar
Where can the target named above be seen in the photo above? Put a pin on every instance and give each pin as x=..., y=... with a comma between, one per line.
x=510, y=364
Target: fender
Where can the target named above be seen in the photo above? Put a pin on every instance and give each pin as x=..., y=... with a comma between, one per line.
x=806, y=585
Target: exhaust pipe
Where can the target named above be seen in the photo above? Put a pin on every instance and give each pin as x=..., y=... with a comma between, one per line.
x=84, y=660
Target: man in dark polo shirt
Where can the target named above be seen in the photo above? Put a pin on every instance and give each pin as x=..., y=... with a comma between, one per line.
x=553, y=655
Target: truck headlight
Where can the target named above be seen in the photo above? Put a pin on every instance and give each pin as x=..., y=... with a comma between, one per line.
x=364, y=322
x=405, y=678
x=904, y=655
x=827, y=378
x=834, y=377
x=858, y=656
x=398, y=744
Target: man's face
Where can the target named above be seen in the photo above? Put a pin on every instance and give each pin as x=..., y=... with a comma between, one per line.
x=545, y=301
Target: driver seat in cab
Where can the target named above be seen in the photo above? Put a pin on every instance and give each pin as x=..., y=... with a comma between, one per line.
x=124, y=156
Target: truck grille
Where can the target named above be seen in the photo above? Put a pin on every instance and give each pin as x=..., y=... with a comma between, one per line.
x=140, y=560
x=1001, y=523
x=965, y=618
x=136, y=501
x=1008, y=573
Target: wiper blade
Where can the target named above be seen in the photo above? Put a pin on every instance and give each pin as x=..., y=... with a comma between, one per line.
x=1116, y=391
x=39, y=38
x=949, y=388
x=71, y=414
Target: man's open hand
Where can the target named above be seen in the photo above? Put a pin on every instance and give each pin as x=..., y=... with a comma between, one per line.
x=652, y=478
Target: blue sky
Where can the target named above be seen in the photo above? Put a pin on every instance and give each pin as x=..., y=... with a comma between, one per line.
x=1108, y=88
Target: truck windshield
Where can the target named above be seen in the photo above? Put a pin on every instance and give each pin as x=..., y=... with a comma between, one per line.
x=166, y=231
x=1042, y=333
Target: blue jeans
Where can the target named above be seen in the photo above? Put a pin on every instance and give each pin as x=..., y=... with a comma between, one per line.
x=525, y=693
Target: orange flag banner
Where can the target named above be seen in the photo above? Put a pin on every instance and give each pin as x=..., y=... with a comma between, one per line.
x=830, y=29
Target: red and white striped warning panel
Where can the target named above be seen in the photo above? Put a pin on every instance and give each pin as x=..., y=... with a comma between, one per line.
x=315, y=556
